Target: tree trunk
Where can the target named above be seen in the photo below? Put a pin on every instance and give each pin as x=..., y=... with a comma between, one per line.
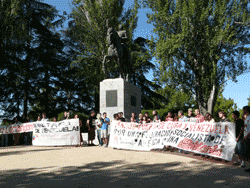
x=212, y=99
x=97, y=99
x=46, y=90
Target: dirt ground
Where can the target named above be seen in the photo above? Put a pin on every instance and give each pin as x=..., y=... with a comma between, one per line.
x=30, y=166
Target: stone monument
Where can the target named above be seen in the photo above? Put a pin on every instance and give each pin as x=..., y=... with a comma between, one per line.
x=118, y=95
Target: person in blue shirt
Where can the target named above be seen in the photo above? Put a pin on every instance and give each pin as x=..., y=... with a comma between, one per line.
x=104, y=129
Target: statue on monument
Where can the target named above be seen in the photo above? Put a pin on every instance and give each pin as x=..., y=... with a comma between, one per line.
x=118, y=51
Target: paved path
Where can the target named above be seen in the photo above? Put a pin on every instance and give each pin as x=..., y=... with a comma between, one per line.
x=30, y=166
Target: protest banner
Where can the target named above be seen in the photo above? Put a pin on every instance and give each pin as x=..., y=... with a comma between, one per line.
x=213, y=139
x=66, y=132
x=17, y=128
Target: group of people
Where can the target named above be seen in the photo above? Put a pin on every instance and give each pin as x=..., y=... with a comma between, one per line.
x=142, y=119
x=100, y=124
x=26, y=137
x=242, y=126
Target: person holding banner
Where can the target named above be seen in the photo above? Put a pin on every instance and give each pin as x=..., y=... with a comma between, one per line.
x=80, y=124
x=44, y=117
x=246, y=138
x=38, y=118
x=122, y=119
x=182, y=118
x=222, y=116
x=208, y=118
x=169, y=117
x=16, y=136
x=156, y=113
x=4, y=136
x=156, y=120
x=28, y=135
x=91, y=128
x=190, y=113
x=199, y=117
x=66, y=115
x=144, y=120
x=105, y=124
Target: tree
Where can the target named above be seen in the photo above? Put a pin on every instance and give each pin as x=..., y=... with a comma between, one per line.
x=35, y=21
x=200, y=43
x=227, y=105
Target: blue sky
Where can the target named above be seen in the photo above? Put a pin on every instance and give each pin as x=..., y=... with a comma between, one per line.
x=239, y=91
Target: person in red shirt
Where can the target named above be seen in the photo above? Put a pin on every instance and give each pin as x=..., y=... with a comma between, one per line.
x=199, y=116
x=169, y=117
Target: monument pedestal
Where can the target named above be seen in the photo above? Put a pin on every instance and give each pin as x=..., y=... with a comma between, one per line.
x=117, y=95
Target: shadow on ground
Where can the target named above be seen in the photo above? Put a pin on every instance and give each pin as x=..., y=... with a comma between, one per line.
x=122, y=174
x=18, y=150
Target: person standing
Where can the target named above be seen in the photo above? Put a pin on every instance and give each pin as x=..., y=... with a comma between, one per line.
x=140, y=118
x=66, y=115
x=98, y=123
x=156, y=113
x=239, y=130
x=80, y=125
x=16, y=136
x=4, y=136
x=156, y=120
x=169, y=117
x=246, y=138
x=208, y=118
x=91, y=127
x=199, y=117
x=222, y=116
x=38, y=118
x=44, y=117
x=122, y=119
x=182, y=118
x=28, y=135
x=190, y=113
x=105, y=124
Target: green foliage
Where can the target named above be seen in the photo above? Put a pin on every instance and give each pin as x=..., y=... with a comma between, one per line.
x=88, y=30
x=227, y=105
x=200, y=43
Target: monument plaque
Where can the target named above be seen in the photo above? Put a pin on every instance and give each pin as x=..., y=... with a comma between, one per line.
x=133, y=100
x=111, y=98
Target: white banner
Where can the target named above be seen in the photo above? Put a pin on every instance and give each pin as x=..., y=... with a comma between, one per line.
x=213, y=139
x=66, y=132
x=17, y=128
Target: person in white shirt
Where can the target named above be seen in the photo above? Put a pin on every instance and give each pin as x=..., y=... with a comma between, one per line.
x=182, y=118
x=44, y=117
x=38, y=118
x=98, y=123
x=208, y=118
